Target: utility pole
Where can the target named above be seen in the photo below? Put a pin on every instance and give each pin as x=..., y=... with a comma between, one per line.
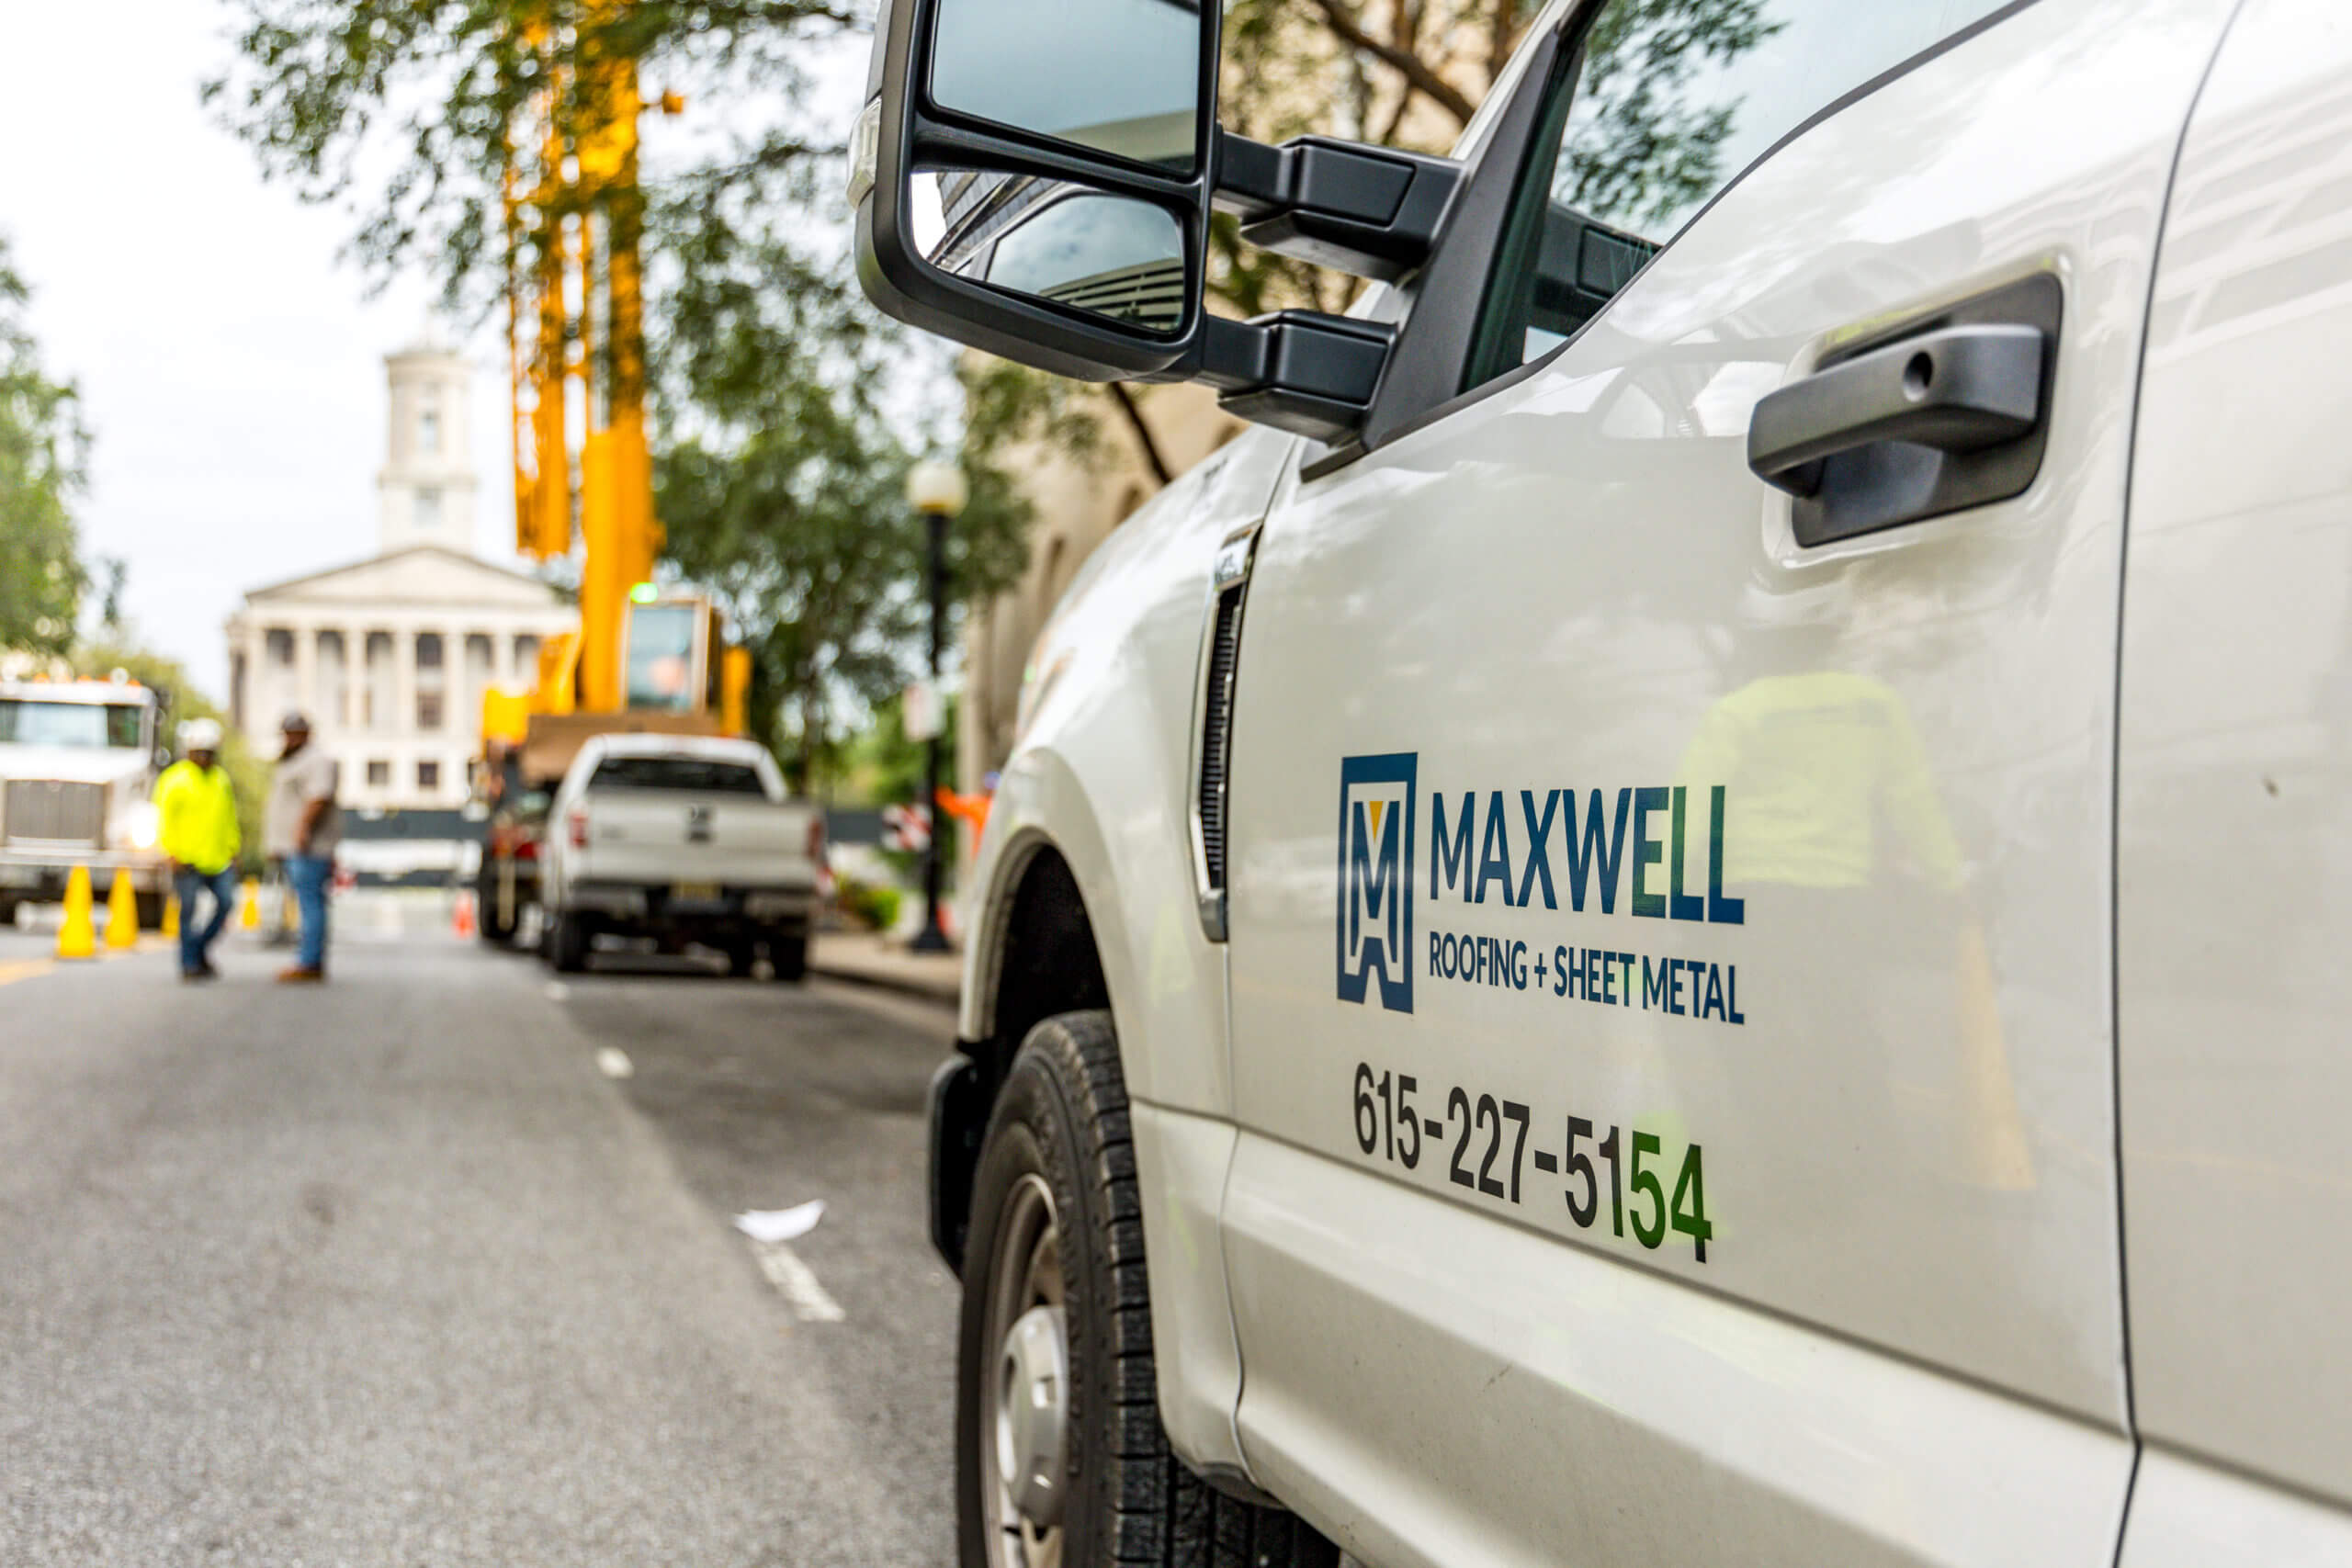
x=938, y=491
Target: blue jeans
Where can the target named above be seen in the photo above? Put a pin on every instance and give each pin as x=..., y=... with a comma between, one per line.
x=196, y=939
x=308, y=876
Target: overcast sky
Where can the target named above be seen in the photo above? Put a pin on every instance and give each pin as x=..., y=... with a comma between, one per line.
x=232, y=370
x=231, y=365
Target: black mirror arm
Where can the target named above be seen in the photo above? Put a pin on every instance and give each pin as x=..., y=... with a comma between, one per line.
x=1298, y=370
x=1368, y=211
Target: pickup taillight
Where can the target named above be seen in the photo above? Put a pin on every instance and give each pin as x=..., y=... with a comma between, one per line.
x=526, y=849
x=578, y=824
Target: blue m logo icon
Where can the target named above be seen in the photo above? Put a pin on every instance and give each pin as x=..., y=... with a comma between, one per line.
x=1375, y=909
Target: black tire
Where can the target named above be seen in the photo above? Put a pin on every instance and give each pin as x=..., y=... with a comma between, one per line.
x=742, y=957
x=493, y=931
x=1061, y=1121
x=568, y=943
x=788, y=956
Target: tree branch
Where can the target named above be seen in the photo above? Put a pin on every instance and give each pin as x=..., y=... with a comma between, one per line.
x=1498, y=39
x=1414, y=69
x=1126, y=399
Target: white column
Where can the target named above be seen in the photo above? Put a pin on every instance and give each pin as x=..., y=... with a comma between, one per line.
x=355, y=655
x=306, y=667
x=403, y=680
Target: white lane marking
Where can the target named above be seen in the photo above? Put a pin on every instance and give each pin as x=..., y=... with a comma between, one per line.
x=557, y=990
x=614, y=1063
x=797, y=1282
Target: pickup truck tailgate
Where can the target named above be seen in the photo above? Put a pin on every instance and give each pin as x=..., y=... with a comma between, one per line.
x=650, y=837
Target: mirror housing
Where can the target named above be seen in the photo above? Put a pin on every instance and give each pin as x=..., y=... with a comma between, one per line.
x=909, y=131
x=1370, y=212
x=1374, y=213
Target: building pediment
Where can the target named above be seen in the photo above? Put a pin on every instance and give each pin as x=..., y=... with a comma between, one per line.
x=424, y=575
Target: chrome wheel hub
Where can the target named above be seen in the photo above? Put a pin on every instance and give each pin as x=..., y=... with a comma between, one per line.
x=1024, y=1442
x=1031, y=1415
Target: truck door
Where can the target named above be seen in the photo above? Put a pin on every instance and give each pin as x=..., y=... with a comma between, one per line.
x=2234, y=831
x=1669, y=910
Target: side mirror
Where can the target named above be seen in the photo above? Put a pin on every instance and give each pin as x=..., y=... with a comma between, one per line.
x=1034, y=179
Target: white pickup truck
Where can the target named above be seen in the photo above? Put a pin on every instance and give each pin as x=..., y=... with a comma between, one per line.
x=684, y=838
x=1695, y=914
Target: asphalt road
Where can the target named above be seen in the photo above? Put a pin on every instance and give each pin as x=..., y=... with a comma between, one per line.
x=434, y=1265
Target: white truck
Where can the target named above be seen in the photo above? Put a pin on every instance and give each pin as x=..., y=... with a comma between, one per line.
x=1696, y=914
x=78, y=764
x=684, y=838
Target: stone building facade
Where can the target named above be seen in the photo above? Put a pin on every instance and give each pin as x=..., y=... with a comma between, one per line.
x=1078, y=504
x=389, y=656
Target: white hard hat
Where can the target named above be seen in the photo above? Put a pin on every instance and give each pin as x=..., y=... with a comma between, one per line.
x=200, y=735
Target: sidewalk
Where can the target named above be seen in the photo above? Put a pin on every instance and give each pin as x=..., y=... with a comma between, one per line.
x=873, y=960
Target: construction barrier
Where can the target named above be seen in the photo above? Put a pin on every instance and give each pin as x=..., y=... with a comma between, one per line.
x=77, y=937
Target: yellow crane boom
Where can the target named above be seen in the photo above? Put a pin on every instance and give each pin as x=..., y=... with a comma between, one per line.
x=574, y=218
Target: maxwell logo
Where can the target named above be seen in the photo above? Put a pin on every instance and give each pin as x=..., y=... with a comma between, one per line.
x=1375, y=909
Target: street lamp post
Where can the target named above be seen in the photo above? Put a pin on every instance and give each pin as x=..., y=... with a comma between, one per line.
x=937, y=491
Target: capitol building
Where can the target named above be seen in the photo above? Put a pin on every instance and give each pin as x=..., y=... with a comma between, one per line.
x=389, y=656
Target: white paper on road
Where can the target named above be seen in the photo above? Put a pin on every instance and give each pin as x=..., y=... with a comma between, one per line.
x=812, y=1303
x=781, y=1225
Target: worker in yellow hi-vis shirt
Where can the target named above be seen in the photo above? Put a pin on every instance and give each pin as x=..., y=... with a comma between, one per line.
x=197, y=807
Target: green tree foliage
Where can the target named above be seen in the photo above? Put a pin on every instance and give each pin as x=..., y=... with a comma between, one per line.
x=248, y=772
x=782, y=487
x=401, y=109
x=785, y=418
x=1411, y=72
x=41, y=451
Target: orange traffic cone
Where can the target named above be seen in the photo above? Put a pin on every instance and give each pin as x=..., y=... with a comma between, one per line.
x=77, y=937
x=249, y=912
x=171, y=926
x=122, y=913
x=461, y=918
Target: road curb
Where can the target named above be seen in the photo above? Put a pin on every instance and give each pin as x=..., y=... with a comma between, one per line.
x=871, y=962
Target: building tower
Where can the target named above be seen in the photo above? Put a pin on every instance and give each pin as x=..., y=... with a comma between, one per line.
x=425, y=489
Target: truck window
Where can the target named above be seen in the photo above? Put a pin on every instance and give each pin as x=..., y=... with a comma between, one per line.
x=1666, y=107
x=26, y=722
x=699, y=775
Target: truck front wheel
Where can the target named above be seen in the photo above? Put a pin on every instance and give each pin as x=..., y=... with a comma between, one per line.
x=788, y=955
x=1060, y=1456
x=568, y=942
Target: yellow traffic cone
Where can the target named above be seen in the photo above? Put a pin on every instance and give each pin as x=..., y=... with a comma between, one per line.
x=249, y=910
x=76, y=937
x=171, y=927
x=122, y=913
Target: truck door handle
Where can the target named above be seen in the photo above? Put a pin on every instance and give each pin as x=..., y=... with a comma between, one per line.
x=1960, y=390
x=1951, y=413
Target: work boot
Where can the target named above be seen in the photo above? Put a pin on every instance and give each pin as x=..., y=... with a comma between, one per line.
x=300, y=974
